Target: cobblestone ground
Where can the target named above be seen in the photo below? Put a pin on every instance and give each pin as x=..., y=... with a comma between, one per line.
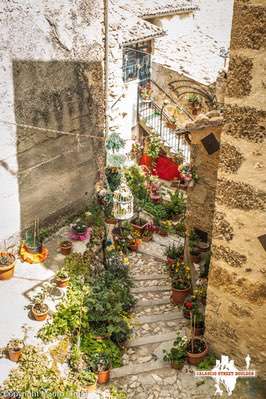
x=144, y=374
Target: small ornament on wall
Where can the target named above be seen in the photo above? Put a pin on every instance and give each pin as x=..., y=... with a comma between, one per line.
x=210, y=143
x=262, y=240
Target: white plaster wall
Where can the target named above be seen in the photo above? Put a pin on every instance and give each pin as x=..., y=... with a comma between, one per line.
x=42, y=30
x=193, y=42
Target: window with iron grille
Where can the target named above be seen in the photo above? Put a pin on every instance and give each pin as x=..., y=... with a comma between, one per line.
x=137, y=62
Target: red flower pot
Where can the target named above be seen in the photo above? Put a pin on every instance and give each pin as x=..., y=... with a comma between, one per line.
x=178, y=296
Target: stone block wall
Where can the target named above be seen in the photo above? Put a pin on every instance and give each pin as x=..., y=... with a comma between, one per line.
x=201, y=197
x=236, y=302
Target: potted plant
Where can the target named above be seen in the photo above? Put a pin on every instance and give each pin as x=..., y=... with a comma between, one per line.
x=62, y=278
x=173, y=253
x=14, y=349
x=7, y=265
x=146, y=92
x=134, y=244
x=66, y=247
x=147, y=234
x=39, y=308
x=190, y=306
x=181, y=283
x=100, y=363
x=87, y=380
x=197, y=350
x=178, y=353
x=79, y=228
x=33, y=242
x=195, y=103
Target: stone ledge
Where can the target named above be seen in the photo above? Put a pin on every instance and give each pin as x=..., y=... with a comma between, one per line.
x=151, y=339
x=138, y=369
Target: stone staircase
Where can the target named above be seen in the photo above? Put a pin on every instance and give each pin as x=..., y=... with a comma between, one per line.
x=144, y=374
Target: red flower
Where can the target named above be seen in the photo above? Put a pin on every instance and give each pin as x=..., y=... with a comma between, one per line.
x=188, y=305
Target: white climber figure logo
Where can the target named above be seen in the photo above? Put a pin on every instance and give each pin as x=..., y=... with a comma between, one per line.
x=225, y=374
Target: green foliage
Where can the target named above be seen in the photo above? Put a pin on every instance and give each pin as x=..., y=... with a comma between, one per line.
x=176, y=206
x=114, y=142
x=117, y=394
x=207, y=363
x=91, y=348
x=154, y=147
x=35, y=377
x=136, y=181
x=113, y=177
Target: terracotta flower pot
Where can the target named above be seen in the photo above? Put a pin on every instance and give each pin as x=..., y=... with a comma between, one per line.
x=62, y=282
x=163, y=233
x=178, y=366
x=195, y=358
x=66, y=247
x=13, y=355
x=134, y=247
x=187, y=314
x=39, y=316
x=7, y=272
x=178, y=296
x=103, y=377
x=90, y=388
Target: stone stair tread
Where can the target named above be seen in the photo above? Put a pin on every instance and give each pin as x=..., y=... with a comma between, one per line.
x=168, y=316
x=141, y=277
x=138, y=368
x=153, y=288
x=151, y=339
x=152, y=302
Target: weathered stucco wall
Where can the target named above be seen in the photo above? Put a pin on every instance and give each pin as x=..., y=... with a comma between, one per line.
x=51, y=77
x=236, y=306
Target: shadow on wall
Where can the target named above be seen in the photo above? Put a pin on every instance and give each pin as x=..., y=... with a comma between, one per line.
x=56, y=173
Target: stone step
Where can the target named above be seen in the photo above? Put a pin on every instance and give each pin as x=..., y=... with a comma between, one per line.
x=168, y=316
x=151, y=339
x=141, y=277
x=138, y=368
x=152, y=302
x=153, y=288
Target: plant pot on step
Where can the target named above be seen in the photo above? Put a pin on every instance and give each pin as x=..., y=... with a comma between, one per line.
x=33, y=249
x=199, y=353
x=14, y=349
x=139, y=224
x=62, y=282
x=66, y=247
x=103, y=377
x=7, y=265
x=171, y=261
x=177, y=366
x=40, y=314
x=146, y=238
x=178, y=296
x=14, y=356
x=163, y=233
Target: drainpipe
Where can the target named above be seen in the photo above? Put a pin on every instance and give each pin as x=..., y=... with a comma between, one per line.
x=106, y=64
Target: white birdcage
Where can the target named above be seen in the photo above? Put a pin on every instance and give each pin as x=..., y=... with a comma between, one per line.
x=123, y=201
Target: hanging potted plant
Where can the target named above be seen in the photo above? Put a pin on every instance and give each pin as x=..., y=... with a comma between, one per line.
x=195, y=103
x=146, y=93
x=178, y=353
x=181, y=283
x=87, y=380
x=7, y=265
x=14, y=349
x=66, y=247
x=189, y=307
x=100, y=363
x=62, y=278
x=39, y=308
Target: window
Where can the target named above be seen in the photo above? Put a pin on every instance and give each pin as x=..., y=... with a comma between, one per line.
x=137, y=61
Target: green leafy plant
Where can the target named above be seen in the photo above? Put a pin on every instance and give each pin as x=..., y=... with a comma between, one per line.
x=86, y=378
x=154, y=147
x=115, y=142
x=181, y=276
x=208, y=363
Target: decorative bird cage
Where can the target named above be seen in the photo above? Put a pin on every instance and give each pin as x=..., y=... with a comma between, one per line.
x=123, y=201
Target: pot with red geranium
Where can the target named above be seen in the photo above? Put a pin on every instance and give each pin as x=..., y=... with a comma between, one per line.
x=181, y=282
x=173, y=253
x=178, y=353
